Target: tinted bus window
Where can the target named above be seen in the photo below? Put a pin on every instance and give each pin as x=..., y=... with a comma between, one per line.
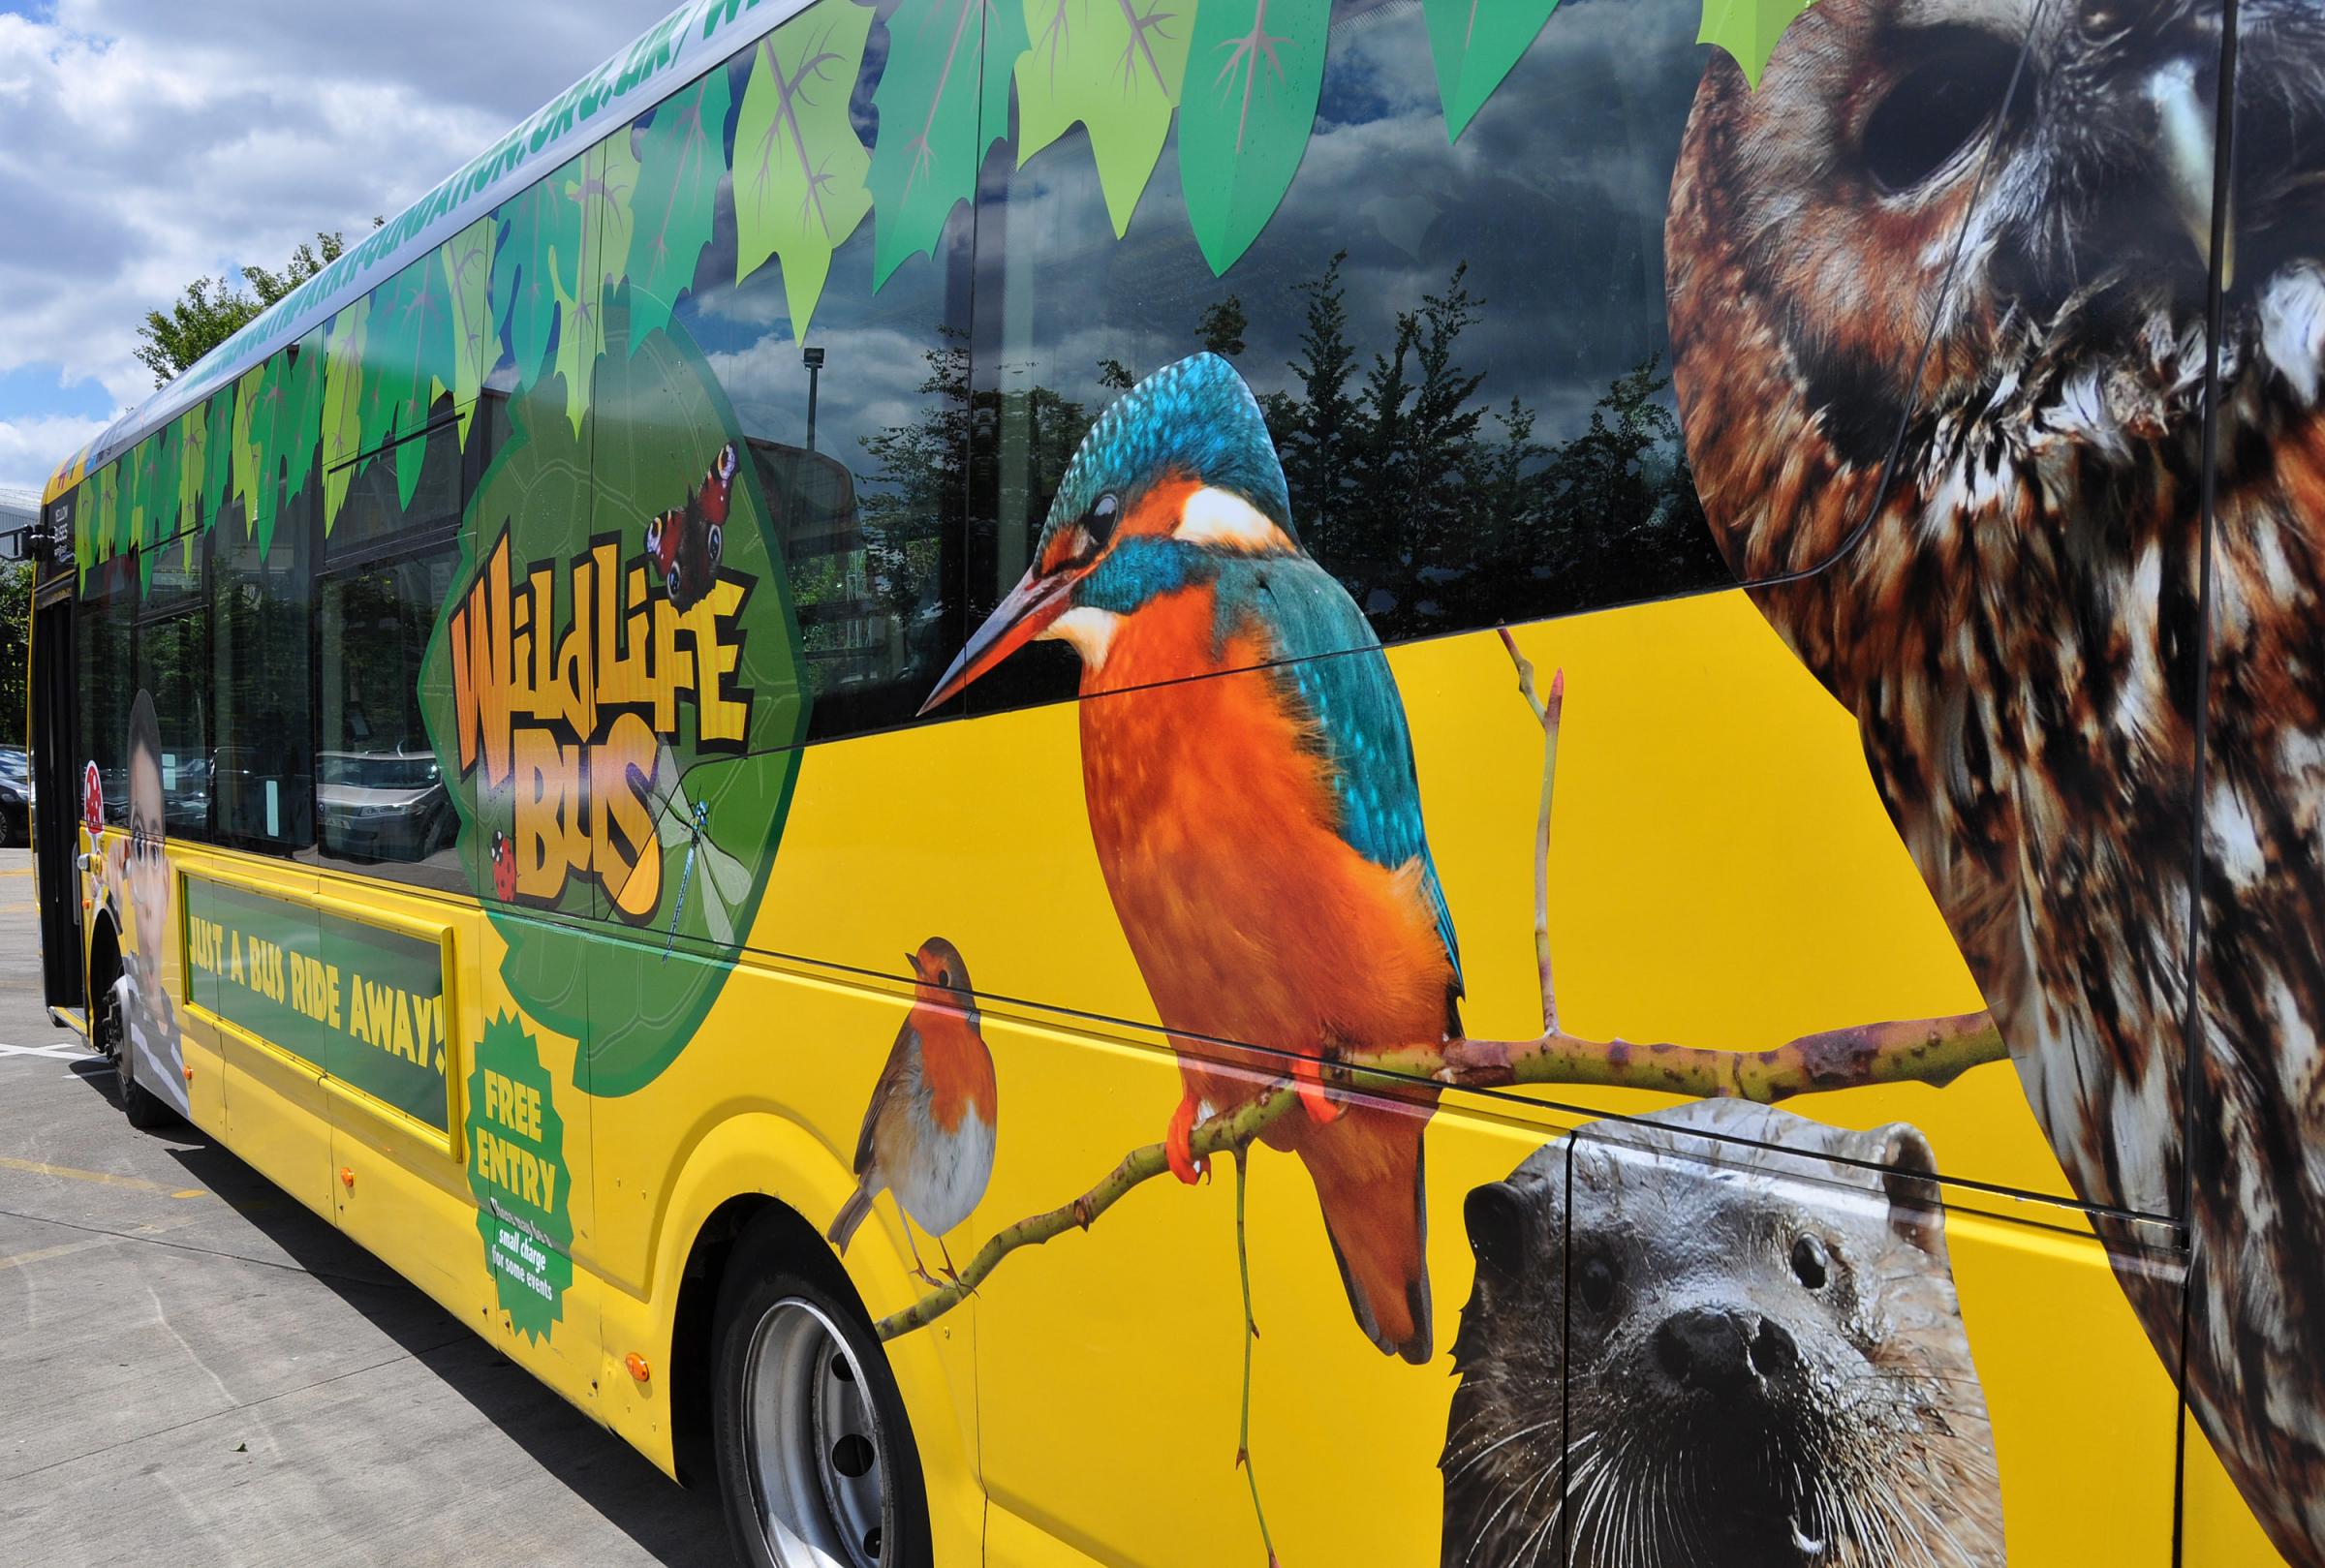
x=261, y=641
x=857, y=429
x=1458, y=347
x=105, y=631
x=173, y=666
x=379, y=793
x=381, y=798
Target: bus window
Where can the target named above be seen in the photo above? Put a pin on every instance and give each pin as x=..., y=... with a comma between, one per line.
x=173, y=666
x=261, y=625
x=1459, y=346
x=381, y=798
x=858, y=432
x=106, y=634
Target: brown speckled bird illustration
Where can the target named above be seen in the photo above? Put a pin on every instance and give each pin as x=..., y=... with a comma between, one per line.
x=1938, y=299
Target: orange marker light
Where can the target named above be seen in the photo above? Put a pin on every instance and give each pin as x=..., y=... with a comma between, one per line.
x=189, y=1075
x=347, y=1177
x=637, y=1367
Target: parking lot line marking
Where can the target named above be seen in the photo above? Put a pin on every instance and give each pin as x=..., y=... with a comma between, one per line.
x=63, y=1050
x=136, y=1184
x=23, y=871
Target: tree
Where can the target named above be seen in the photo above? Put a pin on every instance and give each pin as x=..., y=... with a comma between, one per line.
x=1222, y=326
x=16, y=641
x=212, y=310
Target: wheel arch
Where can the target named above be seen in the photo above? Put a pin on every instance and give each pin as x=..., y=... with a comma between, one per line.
x=104, y=957
x=760, y=1168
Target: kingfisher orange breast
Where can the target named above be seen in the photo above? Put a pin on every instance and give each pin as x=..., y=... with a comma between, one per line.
x=1215, y=825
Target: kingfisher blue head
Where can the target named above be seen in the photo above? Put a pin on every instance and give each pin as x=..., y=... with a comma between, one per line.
x=1177, y=477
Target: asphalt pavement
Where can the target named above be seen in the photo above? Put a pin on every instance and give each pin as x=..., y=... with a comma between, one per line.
x=194, y=1369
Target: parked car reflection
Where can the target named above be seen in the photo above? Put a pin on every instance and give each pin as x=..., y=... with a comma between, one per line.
x=16, y=795
x=383, y=805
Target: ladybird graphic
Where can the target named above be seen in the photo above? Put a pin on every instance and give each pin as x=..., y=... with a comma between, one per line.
x=92, y=800
x=504, y=868
x=687, y=543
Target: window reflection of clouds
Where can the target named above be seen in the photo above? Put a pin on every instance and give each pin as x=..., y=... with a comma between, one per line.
x=1554, y=199
x=867, y=584
x=1554, y=196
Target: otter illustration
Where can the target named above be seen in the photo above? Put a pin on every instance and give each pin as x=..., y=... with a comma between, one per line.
x=1741, y=1356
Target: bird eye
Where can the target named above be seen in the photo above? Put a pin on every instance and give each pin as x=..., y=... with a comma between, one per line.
x=1812, y=1265
x=1595, y=1283
x=1955, y=88
x=1098, y=523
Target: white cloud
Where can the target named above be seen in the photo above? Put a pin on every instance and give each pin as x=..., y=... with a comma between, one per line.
x=146, y=142
x=30, y=448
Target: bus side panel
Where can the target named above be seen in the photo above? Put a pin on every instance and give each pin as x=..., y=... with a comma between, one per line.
x=765, y=1102
x=277, y=1114
x=489, y=1214
x=200, y=1042
x=1112, y=1360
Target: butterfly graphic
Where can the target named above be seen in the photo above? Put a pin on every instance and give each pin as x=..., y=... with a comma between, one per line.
x=687, y=541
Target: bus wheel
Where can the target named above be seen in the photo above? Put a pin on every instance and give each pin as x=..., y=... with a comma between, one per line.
x=144, y=1109
x=816, y=1459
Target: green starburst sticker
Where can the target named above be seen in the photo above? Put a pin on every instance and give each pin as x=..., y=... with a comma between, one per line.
x=516, y=1169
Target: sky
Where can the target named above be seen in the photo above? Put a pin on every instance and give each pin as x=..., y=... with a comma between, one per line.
x=147, y=142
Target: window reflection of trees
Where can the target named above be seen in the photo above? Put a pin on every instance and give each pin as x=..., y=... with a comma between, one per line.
x=1437, y=506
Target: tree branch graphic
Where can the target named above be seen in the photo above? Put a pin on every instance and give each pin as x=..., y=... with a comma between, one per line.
x=1932, y=1050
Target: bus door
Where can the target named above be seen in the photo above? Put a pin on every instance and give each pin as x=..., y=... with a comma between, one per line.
x=55, y=793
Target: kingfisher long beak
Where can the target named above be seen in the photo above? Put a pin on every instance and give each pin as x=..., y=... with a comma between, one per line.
x=2187, y=139
x=1017, y=620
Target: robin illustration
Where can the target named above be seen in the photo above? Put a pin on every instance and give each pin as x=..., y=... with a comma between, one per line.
x=1260, y=830
x=928, y=1132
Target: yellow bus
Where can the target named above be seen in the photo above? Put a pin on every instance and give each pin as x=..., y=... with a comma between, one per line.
x=954, y=749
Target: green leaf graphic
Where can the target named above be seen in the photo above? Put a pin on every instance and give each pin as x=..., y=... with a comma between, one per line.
x=342, y=402
x=467, y=259
x=408, y=357
x=1253, y=76
x=683, y=158
x=255, y=398
x=218, y=455
x=1474, y=42
x=1748, y=29
x=545, y=221
x=289, y=444
x=193, y=465
x=933, y=133
x=656, y=419
x=576, y=348
x=1115, y=66
x=798, y=167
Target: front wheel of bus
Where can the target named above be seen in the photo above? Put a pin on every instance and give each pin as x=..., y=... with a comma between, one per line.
x=815, y=1458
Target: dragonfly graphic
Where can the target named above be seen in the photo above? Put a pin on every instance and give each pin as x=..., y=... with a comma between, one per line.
x=726, y=879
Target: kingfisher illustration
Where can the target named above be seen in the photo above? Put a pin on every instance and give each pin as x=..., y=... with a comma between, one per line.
x=928, y=1132
x=1260, y=831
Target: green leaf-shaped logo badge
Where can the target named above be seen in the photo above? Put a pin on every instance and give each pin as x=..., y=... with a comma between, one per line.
x=516, y=1169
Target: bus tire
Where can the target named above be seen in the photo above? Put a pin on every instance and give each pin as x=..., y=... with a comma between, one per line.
x=145, y=1109
x=815, y=1458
